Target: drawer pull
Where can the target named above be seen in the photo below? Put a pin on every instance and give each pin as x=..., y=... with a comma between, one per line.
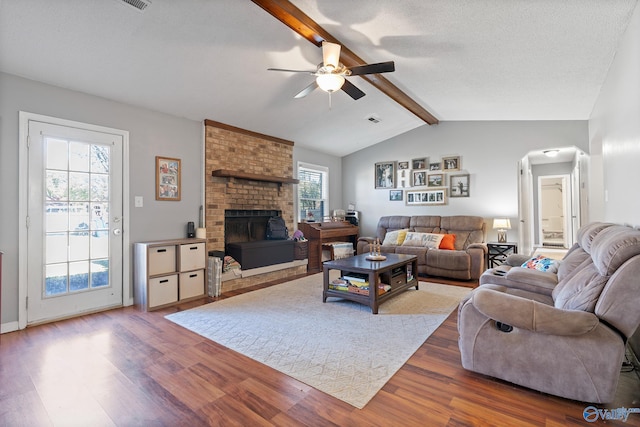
x=164, y=281
x=193, y=275
x=161, y=250
x=193, y=248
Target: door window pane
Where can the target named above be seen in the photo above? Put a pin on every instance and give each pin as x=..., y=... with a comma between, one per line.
x=57, y=187
x=100, y=273
x=99, y=187
x=79, y=157
x=78, y=186
x=56, y=281
x=56, y=247
x=99, y=159
x=78, y=276
x=57, y=154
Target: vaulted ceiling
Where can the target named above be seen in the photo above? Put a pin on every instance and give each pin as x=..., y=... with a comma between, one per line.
x=208, y=59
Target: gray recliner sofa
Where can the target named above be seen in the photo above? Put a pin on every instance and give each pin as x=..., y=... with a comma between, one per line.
x=560, y=333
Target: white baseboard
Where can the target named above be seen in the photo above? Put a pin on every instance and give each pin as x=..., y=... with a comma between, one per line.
x=9, y=327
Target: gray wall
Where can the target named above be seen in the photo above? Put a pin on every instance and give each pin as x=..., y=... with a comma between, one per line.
x=335, y=174
x=614, y=133
x=489, y=152
x=150, y=134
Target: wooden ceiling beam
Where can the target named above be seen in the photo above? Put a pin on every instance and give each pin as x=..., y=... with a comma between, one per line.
x=298, y=21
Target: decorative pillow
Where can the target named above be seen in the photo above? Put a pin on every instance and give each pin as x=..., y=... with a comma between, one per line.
x=448, y=242
x=395, y=237
x=428, y=240
x=542, y=263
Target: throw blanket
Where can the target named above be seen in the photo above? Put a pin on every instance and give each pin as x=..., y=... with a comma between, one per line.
x=340, y=250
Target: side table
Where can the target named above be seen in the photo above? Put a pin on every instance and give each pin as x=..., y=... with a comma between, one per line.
x=497, y=252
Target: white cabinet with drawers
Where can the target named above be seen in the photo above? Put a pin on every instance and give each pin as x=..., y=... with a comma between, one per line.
x=166, y=272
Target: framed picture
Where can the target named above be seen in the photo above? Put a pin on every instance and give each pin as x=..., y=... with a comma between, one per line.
x=451, y=164
x=395, y=195
x=404, y=176
x=426, y=197
x=168, y=179
x=459, y=185
x=403, y=165
x=385, y=175
x=420, y=163
x=435, y=180
x=418, y=178
x=435, y=166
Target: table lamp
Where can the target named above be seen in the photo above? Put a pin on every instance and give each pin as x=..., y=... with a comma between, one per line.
x=502, y=224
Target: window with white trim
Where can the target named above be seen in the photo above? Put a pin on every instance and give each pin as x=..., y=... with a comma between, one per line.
x=313, y=192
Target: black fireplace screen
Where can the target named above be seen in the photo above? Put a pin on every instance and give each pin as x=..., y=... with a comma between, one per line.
x=242, y=225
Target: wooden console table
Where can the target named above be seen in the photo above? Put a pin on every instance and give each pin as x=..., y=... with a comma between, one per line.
x=319, y=233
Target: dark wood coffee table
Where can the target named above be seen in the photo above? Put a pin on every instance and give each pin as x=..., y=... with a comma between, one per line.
x=398, y=270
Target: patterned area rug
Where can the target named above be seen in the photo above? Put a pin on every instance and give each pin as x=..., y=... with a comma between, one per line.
x=337, y=347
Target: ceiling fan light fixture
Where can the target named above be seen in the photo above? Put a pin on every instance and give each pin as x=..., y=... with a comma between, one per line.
x=330, y=82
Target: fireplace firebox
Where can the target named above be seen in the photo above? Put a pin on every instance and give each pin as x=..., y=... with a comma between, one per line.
x=246, y=225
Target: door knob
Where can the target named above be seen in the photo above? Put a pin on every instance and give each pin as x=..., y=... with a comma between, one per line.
x=117, y=231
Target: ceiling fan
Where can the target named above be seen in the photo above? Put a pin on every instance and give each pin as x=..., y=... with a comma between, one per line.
x=330, y=74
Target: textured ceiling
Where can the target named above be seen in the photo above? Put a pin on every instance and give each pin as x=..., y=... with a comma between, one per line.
x=461, y=60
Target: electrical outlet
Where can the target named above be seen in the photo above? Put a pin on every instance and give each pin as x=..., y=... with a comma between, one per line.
x=139, y=201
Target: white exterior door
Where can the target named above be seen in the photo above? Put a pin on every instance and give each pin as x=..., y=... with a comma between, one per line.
x=74, y=221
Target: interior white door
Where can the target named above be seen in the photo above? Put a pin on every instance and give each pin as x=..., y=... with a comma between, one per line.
x=74, y=235
x=554, y=202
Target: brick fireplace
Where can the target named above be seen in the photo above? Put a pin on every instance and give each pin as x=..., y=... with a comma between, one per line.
x=246, y=171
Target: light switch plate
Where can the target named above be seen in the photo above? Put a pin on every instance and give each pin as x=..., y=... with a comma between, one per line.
x=139, y=201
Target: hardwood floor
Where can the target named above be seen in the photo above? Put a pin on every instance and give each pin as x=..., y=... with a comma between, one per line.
x=125, y=367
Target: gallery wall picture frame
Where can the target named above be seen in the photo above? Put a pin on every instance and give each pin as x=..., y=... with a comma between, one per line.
x=168, y=178
x=419, y=163
x=436, y=166
x=418, y=178
x=403, y=165
x=435, y=180
x=426, y=197
x=451, y=164
x=385, y=175
x=404, y=177
x=459, y=185
x=395, y=195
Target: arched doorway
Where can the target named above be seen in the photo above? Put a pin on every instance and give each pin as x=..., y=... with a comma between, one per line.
x=536, y=165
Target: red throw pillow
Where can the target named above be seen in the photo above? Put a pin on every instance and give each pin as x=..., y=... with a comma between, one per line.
x=448, y=242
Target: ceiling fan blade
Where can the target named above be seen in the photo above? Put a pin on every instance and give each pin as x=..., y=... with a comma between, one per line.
x=380, y=67
x=292, y=71
x=330, y=54
x=351, y=90
x=307, y=90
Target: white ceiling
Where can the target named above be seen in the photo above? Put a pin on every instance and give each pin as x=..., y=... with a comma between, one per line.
x=207, y=59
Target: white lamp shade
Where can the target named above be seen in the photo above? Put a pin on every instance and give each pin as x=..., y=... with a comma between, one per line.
x=330, y=82
x=502, y=223
x=331, y=54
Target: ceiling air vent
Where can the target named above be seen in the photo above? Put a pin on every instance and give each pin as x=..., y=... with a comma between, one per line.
x=373, y=119
x=139, y=5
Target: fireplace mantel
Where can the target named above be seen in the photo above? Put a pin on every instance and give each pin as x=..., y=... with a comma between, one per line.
x=225, y=173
